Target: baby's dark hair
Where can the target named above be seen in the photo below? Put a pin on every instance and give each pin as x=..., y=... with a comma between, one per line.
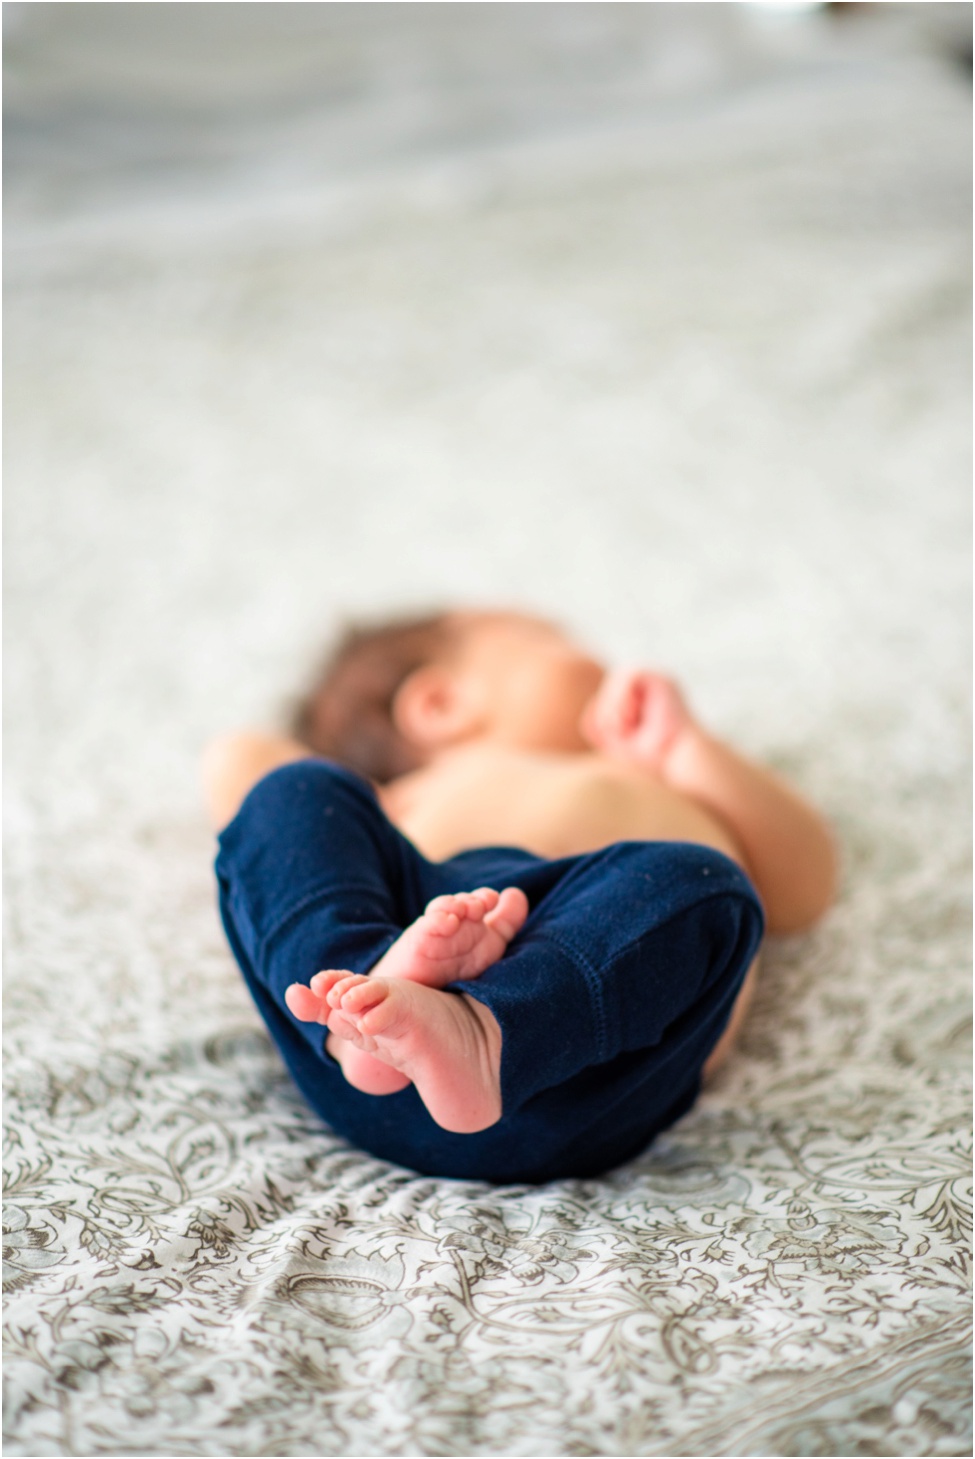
x=348, y=714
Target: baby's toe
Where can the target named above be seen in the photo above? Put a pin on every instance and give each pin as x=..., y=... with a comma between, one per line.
x=303, y=1003
x=339, y=989
x=323, y=983
x=508, y=917
x=357, y=997
x=444, y=921
x=469, y=907
x=477, y=904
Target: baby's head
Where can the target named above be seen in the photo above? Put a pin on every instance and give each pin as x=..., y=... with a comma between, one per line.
x=394, y=696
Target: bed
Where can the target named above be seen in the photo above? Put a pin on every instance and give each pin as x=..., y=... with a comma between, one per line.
x=689, y=370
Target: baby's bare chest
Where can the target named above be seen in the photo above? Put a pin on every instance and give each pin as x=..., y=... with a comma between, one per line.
x=552, y=805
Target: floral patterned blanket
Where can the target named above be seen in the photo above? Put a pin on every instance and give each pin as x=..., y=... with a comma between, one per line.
x=710, y=399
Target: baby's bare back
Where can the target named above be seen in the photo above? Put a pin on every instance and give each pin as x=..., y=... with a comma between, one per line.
x=551, y=804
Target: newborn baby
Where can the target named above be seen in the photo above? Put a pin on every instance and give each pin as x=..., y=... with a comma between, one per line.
x=524, y=896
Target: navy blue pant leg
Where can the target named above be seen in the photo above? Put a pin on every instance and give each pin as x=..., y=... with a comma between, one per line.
x=609, y=1000
x=311, y=875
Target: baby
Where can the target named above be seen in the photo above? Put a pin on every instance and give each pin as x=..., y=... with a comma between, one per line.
x=524, y=896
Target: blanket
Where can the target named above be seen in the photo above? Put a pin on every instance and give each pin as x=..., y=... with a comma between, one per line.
x=659, y=326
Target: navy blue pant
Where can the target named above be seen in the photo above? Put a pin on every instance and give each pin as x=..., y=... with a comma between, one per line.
x=609, y=1000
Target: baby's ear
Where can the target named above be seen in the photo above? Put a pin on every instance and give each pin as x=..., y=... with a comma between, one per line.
x=432, y=710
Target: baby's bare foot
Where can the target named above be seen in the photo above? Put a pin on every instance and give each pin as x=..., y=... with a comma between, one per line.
x=365, y=1073
x=458, y=936
x=449, y=1046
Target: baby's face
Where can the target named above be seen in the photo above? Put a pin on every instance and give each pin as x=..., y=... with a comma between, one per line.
x=532, y=679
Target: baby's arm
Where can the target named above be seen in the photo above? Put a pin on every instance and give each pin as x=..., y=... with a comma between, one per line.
x=786, y=845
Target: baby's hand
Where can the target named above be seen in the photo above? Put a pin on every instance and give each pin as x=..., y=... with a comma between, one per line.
x=636, y=715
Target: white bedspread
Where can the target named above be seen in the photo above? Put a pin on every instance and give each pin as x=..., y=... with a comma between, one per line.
x=678, y=355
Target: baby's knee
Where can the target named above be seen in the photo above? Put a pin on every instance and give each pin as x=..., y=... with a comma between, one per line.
x=681, y=867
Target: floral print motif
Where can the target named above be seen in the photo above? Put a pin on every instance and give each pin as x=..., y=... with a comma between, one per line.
x=782, y=1273
x=727, y=384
